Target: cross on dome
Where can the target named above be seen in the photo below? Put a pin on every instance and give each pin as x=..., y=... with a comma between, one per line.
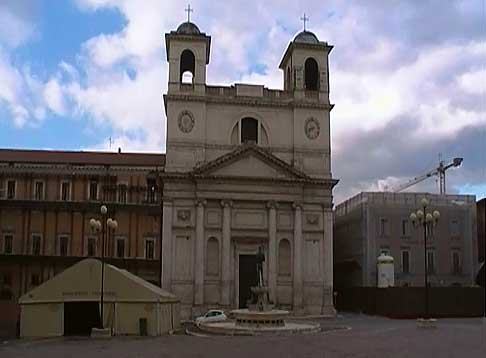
x=304, y=19
x=189, y=10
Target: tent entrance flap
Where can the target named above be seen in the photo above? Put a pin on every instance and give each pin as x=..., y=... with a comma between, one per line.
x=81, y=317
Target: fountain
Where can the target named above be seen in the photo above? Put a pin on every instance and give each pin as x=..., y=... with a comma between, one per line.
x=260, y=317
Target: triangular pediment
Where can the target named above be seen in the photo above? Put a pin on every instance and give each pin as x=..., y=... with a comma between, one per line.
x=249, y=161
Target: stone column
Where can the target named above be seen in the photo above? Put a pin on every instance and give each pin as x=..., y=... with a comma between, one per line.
x=226, y=253
x=272, y=250
x=297, y=274
x=199, y=266
x=167, y=247
x=328, y=297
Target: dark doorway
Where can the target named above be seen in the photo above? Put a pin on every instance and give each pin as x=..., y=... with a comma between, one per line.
x=247, y=278
x=80, y=317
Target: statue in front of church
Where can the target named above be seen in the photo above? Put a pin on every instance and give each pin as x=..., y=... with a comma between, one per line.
x=260, y=259
x=260, y=301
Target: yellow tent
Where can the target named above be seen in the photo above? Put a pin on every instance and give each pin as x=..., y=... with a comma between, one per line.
x=69, y=303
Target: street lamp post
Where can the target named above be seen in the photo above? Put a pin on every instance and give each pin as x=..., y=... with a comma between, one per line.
x=97, y=226
x=427, y=220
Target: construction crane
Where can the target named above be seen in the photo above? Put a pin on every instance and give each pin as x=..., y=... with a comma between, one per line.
x=440, y=171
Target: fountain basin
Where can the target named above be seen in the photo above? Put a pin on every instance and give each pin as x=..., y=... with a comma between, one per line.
x=249, y=318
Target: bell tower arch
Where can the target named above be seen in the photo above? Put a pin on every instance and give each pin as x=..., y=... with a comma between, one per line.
x=305, y=66
x=188, y=52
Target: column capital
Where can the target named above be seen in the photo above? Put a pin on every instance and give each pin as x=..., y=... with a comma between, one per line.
x=272, y=204
x=227, y=203
x=327, y=206
x=201, y=202
x=297, y=205
x=167, y=202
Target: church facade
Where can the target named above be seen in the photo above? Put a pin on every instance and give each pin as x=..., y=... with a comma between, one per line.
x=247, y=167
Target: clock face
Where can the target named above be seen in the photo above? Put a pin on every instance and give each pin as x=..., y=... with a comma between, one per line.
x=312, y=128
x=186, y=121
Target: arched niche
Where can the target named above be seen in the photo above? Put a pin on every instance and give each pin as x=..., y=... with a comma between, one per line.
x=284, y=258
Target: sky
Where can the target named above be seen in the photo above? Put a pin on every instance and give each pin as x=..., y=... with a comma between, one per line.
x=408, y=78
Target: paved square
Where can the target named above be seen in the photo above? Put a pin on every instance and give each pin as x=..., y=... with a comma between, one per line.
x=367, y=337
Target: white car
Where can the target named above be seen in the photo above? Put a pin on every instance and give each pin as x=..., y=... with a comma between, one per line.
x=211, y=316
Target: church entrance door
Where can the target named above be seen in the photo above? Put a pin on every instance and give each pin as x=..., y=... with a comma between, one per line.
x=248, y=277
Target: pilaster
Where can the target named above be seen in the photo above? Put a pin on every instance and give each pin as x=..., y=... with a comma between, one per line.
x=199, y=264
x=298, y=288
x=328, y=297
x=226, y=253
x=167, y=247
x=272, y=250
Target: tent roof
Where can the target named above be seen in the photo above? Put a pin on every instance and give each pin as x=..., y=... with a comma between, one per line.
x=82, y=282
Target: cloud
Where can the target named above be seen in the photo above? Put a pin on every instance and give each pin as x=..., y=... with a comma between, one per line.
x=16, y=21
x=384, y=158
x=407, y=78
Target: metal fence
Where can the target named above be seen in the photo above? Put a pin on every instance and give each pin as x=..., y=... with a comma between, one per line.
x=409, y=302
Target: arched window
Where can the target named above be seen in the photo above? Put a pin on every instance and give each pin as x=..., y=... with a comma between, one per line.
x=212, y=257
x=188, y=66
x=284, y=262
x=249, y=130
x=311, y=75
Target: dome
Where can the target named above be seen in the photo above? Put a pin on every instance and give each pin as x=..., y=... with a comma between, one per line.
x=188, y=28
x=306, y=37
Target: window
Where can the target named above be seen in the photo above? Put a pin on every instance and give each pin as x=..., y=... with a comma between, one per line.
x=11, y=189
x=63, y=245
x=405, y=261
x=455, y=230
x=456, y=262
x=383, y=230
x=149, y=249
x=122, y=193
x=430, y=261
x=93, y=190
x=91, y=246
x=65, y=191
x=187, y=66
x=151, y=190
x=39, y=190
x=7, y=279
x=34, y=279
x=36, y=244
x=8, y=244
x=120, y=247
x=405, y=228
x=5, y=287
x=249, y=130
x=311, y=75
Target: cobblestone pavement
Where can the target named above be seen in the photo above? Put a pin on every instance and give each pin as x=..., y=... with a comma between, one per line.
x=368, y=337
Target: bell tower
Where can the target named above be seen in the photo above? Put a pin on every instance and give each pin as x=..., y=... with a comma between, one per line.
x=188, y=55
x=305, y=65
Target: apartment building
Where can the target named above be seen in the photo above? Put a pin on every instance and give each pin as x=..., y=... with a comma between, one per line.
x=372, y=223
x=47, y=199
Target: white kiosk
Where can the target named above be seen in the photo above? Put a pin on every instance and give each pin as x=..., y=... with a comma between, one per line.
x=386, y=271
